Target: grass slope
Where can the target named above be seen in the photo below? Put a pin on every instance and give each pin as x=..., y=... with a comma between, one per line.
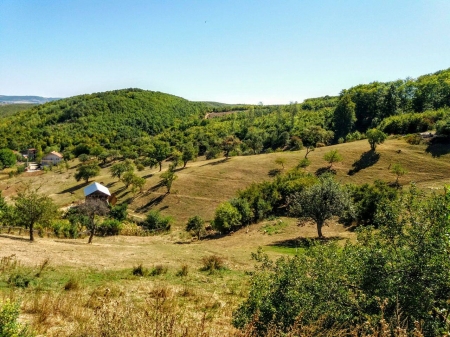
x=7, y=110
x=202, y=185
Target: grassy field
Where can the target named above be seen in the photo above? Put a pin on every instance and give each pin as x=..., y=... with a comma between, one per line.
x=85, y=289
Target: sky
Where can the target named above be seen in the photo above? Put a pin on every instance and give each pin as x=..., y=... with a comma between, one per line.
x=230, y=51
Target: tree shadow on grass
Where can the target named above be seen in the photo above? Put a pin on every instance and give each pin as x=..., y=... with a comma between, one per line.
x=438, y=146
x=155, y=201
x=304, y=242
x=148, y=176
x=324, y=170
x=274, y=172
x=367, y=159
x=217, y=162
x=11, y=237
x=72, y=190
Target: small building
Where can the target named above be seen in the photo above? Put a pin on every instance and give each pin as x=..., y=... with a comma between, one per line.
x=97, y=191
x=52, y=158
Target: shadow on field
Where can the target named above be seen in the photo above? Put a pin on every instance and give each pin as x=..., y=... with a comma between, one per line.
x=217, y=162
x=324, y=170
x=304, y=242
x=153, y=202
x=71, y=190
x=274, y=172
x=438, y=146
x=366, y=160
x=8, y=236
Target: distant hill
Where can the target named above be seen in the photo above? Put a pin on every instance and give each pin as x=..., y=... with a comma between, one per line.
x=7, y=110
x=115, y=117
x=25, y=99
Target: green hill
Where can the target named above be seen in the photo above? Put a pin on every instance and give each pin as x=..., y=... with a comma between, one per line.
x=7, y=110
x=106, y=118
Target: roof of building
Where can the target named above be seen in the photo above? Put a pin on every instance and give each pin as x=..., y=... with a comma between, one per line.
x=94, y=187
x=54, y=153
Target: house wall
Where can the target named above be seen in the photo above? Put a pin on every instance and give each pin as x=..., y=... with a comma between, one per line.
x=50, y=159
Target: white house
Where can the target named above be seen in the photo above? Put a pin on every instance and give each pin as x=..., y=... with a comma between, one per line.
x=97, y=191
x=52, y=158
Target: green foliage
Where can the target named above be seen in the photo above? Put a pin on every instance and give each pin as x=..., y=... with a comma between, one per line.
x=213, y=264
x=9, y=321
x=401, y=267
x=160, y=151
x=413, y=122
x=7, y=158
x=367, y=199
x=189, y=153
x=303, y=163
x=243, y=207
x=414, y=139
x=344, y=117
x=280, y=161
x=109, y=227
x=155, y=222
x=375, y=136
x=443, y=127
x=320, y=202
x=120, y=168
x=196, y=225
x=119, y=212
x=167, y=179
x=333, y=156
x=399, y=171
x=229, y=144
x=227, y=218
x=34, y=208
x=87, y=171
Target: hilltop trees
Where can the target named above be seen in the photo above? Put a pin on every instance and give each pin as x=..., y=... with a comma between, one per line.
x=344, y=117
x=229, y=144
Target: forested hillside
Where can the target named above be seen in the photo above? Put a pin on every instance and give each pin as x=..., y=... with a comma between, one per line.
x=132, y=120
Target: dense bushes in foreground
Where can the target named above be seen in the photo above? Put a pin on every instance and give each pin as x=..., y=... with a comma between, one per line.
x=399, y=273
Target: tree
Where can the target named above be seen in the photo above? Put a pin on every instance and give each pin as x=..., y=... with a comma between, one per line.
x=160, y=152
x=280, y=161
x=83, y=158
x=229, y=144
x=120, y=168
x=313, y=135
x=196, y=225
x=86, y=171
x=333, y=156
x=226, y=217
x=34, y=208
x=320, y=202
x=344, y=117
x=167, y=179
x=7, y=158
x=399, y=171
x=375, y=136
x=91, y=209
x=189, y=153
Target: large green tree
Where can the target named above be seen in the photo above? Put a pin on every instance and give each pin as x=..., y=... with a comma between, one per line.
x=87, y=171
x=375, y=136
x=321, y=202
x=7, y=158
x=33, y=208
x=344, y=117
x=160, y=151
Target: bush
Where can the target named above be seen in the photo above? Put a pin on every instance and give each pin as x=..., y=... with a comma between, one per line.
x=196, y=225
x=109, y=227
x=213, y=263
x=155, y=222
x=184, y=270
x=305, y=162
x=159, y=270
x=119, y=212
x=20, y=280
x=227, y=218
x=9, y=324
x=139, y=270
x=414, y=139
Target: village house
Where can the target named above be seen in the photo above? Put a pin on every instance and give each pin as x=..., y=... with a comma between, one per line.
x=52, y=158
x=97, y=191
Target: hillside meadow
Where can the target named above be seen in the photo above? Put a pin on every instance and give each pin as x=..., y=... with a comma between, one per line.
x=75, y=289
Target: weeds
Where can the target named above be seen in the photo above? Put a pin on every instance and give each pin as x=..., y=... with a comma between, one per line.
x=139, y=270
x=159, y=270
x=213, y=263
x=184, y=270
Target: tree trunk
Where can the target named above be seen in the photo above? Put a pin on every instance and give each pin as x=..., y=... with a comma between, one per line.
x=31, y=233
x=160, y=166
x=91, y=236
x=184, y=164
x=319, y=229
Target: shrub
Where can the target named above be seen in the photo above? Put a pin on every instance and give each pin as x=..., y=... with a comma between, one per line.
x=305, y=162
x=72, y=284
x=139, y=270
x=213, y=263
x=109, y=227
x=184, y=270
x=155, y=222
x=196, y=225
x=159, y=270
x=227, y=217
x=9, y=324
x=20, y=280
x=414, y=139
x=119, y=212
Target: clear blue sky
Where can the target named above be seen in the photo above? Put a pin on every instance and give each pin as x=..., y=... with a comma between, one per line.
x=232, y=51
